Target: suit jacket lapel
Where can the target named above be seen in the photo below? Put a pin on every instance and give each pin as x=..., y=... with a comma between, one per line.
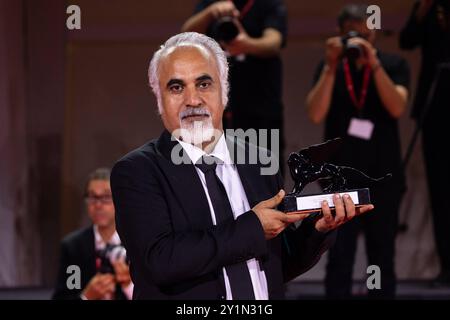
x=89, y=252
x=247, y=172
x=250, y=177
x=185, y=183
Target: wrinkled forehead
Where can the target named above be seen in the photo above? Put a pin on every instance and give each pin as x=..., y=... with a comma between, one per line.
x=187, y=61
x=188, y=46
x=186, y=57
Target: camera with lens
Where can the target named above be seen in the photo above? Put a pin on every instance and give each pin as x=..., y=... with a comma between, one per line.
x=110, y=255
x=351, y=51
x=225, y=29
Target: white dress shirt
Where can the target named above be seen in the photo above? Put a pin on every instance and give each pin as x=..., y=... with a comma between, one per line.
x=229, y=176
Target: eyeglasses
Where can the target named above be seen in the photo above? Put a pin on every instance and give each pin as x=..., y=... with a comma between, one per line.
x=103, y=199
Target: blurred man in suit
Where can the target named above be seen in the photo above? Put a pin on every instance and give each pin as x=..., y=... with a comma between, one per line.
x=91, y=247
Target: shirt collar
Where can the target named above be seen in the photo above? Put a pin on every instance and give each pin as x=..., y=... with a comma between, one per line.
x=100, y=244
x=220, y=151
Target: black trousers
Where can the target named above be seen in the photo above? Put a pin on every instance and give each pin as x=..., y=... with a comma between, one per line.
x=437, y=162
x=379, y=227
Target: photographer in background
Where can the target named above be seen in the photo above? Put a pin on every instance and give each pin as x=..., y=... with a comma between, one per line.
x=252, y=32
x=96, y=250
x=360, y=92
x=429, y=28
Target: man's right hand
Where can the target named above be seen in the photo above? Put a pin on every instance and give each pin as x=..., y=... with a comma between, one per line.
x=223, y=8
x=333, y=51
x=274, y=221
x=99, y=286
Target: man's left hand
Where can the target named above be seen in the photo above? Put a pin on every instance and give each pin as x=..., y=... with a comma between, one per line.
x=345, y=211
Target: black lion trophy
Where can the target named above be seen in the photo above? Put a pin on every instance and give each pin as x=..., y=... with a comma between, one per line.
x=309, y=165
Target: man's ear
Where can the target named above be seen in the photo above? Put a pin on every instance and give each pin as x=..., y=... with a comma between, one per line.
x=159, y=105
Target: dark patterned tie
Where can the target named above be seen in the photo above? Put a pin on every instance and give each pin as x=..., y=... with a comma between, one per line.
x=238, y=274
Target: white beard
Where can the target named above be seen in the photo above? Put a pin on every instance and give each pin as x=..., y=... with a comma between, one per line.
x=196, y=132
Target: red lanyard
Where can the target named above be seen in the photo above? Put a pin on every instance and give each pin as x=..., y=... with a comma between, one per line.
x=246, y=8
x=359, y=104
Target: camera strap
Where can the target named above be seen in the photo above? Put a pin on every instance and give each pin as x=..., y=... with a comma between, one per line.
x=245, y=9
x=359, y=104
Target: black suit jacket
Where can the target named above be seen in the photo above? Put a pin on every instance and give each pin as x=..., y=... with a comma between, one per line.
x=164, y=221
x=78, y=248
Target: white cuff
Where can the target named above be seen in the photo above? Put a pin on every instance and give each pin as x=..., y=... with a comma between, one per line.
x=128, y=291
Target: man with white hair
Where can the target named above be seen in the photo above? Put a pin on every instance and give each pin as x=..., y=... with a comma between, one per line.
x=207, y=227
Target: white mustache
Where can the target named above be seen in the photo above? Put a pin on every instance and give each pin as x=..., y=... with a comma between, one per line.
x=194, y=112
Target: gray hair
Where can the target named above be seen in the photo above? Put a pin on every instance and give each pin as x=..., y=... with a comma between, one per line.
x=352, y=12
x=189, y=39
x=97, y=174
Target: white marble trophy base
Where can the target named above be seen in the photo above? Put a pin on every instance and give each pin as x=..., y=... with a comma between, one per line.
x=313, y=202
